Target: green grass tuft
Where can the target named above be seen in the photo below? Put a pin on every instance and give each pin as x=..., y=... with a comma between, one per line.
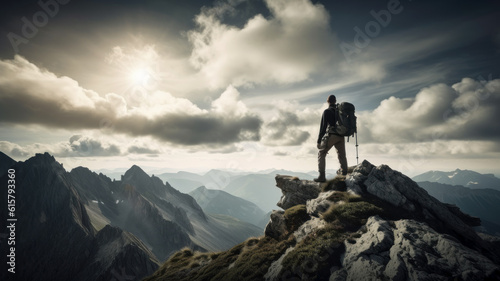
x=313, y=257
x=337, y=183
x=351, y=214
x=295, y=216
x=249, y=260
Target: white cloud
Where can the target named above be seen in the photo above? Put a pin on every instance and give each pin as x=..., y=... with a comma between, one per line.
x=292, y=44
x=229, y=105
x=467, y=110
x=30, y=95
x=76, y=146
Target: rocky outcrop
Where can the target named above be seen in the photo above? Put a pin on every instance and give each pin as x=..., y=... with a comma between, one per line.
x=296, y=191
x=410, y=250
x=400, y=191
x=404, y=249
x=276, y=227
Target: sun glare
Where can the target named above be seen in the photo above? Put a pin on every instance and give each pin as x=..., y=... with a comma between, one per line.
x=140, y=76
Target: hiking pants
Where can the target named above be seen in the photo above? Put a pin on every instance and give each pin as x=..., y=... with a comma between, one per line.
x=326, y=145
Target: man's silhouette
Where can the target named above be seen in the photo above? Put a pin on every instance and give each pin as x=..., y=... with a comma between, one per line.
x=327, y=140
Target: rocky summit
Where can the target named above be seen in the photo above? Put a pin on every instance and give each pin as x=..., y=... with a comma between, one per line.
x=373, y=224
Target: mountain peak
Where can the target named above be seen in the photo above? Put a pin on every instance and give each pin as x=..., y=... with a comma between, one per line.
x=466, y=178
x=81, y=169
x=42, y=158
x=136, y=172
x=135, y=169
x=5, y=163
x=5, y=157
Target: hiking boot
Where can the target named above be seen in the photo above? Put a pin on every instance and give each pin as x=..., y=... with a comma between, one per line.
x=321, y=177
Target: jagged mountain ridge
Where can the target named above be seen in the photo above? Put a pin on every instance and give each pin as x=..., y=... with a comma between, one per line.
x=120, y=203
x=164, y=218
x=464, y=178
x=211, y=232
x=374, y=224
x=55, y=239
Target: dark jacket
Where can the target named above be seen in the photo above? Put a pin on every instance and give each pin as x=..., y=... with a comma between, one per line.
x=327, y=118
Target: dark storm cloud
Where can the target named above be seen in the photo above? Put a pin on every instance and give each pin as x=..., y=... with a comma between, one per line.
x=29, y=95
x=281, y=153
x=192, y=129
x=87, y=147
x=286, y=129
x=142, y=150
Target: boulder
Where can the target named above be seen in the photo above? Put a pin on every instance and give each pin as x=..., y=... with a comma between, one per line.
x=400, y=191
x=276, y=227
x=320, y=204
x=410, y=250
x=296, y=191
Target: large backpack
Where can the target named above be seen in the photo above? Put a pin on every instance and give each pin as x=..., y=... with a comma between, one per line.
x=345, y=124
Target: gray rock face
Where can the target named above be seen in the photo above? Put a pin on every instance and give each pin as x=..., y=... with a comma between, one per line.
x=410, y=250
x=126, y=208
x=357, y=177
x=400, y=191
x=308, y=227
x=320, y=204
x=276, y=226
x=296, y=191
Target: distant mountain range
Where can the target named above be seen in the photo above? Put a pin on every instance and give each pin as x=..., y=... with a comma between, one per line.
x=474, y=193
x=482, y=203
x=221, y=202
x=464, y=178
x=81, y=225
x=254, y=187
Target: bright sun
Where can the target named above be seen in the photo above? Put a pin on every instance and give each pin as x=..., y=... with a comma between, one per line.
x=140, y=76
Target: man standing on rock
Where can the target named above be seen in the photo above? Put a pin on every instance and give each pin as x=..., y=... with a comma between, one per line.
x=327, y=140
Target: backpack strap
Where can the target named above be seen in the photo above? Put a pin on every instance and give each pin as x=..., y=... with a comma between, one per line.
x=332, y=129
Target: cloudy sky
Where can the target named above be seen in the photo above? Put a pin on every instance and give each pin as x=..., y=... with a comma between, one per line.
x=241, y=84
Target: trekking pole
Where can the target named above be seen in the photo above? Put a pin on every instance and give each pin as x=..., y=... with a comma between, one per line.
x=357, y=162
